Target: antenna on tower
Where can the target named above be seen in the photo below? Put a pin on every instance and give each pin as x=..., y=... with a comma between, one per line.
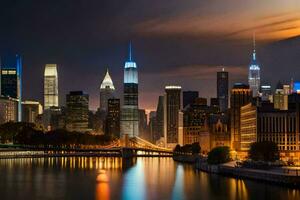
x=130, y=51
x=254, y=41
x=254, y=46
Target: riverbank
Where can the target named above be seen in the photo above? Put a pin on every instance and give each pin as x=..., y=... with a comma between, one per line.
x=279, y=176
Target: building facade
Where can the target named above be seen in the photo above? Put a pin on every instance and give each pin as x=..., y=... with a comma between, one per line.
x=195, y=125
x=106, y=91
x=219, y=130
x=222, y=90
x=77, y=111
x=130, y=108
x=8, y=109
x=248, y=126
x=172, y=106
x=241, y=95
x=31, y=111
x=11, y=82
x=113, y=118
x=50, y=86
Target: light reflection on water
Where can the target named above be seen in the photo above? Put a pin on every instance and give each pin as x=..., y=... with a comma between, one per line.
x=115, y=178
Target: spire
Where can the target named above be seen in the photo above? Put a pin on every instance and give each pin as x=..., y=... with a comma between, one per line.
x=107, y=82
x=130, y=58
x=254, y=47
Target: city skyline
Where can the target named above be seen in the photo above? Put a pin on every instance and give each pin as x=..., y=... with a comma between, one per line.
x=88, y=53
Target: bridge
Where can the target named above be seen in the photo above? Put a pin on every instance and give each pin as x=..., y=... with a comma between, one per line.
x=132, y=147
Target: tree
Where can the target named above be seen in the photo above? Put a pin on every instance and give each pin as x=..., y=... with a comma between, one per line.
x=264, y=151
x=177, y=148
x=196, y=148
x=219, y=155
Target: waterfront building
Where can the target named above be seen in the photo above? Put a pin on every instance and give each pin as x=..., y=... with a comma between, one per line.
x=195, y=126
x=241, y=95
x=106, y=91
x=172, y=106
x=222, y=89
x=77, y=111
x=31, y=111
x=189, y=97
x=130, y=113
x=264, y=123
x=50, y=86
x=113, y=117
x=219, y=130
x=254, y=74
x=248, y=126
x=11, y=81
x=8, y=109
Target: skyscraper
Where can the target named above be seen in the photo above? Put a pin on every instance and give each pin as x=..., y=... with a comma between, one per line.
x=113, y=117
x=222, y=90
x=106, y=91
x=240, y=96
x=189, y=97
x=159, y=118
x=172, y=106
x=77, y=111
x=254, y=73
x=130, y=113
x=11, y=82
x=50, y=86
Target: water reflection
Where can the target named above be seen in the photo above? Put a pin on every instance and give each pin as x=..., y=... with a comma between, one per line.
x=102, y=188
x=116, y=178
x=178, y=190
x=134, y=186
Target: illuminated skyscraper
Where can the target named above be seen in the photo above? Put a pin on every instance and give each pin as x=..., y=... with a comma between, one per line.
x=130, y=112
x=240, y=96
x=172, y=106
x=106, y=91
x=50, y=86
x=254, y=74
x=222, y=89
x=11, y=82
x=77, y=111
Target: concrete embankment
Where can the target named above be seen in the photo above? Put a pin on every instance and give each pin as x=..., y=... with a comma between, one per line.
x=255, y=174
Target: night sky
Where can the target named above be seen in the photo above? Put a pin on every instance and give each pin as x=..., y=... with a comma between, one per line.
x=174, y=42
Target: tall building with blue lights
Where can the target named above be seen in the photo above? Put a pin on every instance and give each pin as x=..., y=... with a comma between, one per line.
x=11, y=81
x=130, y=114
x=254, y=74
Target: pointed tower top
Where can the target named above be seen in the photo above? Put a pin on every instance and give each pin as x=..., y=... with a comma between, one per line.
x=130, y=53
x=107, y=82
x=254, y=47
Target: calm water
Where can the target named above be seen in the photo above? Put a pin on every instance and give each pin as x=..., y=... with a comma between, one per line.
x=112, y=178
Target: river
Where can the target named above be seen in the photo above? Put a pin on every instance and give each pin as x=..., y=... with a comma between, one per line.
x=114, y=178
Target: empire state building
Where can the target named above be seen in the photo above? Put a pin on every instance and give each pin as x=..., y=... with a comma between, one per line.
x=254, y=74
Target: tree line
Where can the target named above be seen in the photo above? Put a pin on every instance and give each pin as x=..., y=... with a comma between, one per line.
x=23, y=133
